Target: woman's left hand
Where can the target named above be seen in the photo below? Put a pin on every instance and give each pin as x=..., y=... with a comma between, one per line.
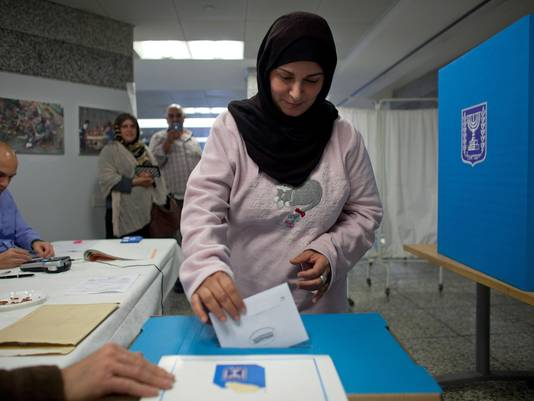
x=315, y=274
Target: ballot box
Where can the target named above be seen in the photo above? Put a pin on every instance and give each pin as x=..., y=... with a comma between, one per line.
x=486, y=157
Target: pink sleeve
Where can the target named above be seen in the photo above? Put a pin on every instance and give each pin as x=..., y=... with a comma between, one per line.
x=204, y=216
x=353, y=234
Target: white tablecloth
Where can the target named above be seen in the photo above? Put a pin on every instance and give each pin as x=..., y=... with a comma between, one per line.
x=142, y=299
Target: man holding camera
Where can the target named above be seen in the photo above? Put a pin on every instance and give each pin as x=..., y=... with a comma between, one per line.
x=177, y=153
x=16, y=237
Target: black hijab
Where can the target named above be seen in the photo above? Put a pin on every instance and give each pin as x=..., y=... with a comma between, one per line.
x=289, y=148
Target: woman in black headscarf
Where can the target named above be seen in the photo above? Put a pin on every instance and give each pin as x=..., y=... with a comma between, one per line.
x=284, y=191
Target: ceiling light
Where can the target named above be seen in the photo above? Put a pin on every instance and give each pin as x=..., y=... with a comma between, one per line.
x=216, y=49
x=188, y=123
x=162, y=49
x=195, y=49
x=203, y=110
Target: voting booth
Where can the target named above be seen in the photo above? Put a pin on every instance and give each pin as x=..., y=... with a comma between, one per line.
x=486, y=157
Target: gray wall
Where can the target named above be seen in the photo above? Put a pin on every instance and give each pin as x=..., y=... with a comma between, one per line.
x=52, y=53
x=57, y=193
x=45, y=39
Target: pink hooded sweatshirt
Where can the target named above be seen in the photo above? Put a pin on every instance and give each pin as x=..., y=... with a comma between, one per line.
x=238, y=220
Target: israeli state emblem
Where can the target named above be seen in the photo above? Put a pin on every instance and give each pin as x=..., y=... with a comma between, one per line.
x=474, y=133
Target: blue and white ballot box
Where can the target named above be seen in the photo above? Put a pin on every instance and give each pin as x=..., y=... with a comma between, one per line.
x=486, y=157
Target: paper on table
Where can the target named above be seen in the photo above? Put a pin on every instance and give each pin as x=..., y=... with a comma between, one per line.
x=252, y=377
x=48, y=326
x=106, y=284
x=74, y=249
x=271, y=321
x=112, y=250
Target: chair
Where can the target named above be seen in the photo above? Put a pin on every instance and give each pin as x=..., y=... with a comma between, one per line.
x=378, y=258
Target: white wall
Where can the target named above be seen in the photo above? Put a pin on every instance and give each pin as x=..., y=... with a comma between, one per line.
x=56, y=193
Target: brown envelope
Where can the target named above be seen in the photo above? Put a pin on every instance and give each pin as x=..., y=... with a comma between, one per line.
x=53, y=329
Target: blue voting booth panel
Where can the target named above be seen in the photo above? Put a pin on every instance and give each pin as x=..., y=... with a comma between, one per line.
x=486, y=157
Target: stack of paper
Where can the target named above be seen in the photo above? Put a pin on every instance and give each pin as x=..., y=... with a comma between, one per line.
x=252, y=377
x=53, y=329
x=104, y=284
x=115, y=250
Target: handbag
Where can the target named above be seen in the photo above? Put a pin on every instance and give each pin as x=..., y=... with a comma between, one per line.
x=165, y=219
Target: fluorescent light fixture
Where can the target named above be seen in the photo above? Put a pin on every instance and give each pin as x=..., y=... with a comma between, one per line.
x=203, y=110
x=162, y=49
x=216, y=49
x=203, y=122
x=188, y=123
x=192, y=50
x=152, y=123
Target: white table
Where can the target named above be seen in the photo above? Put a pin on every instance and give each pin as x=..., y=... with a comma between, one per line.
x=142, y=299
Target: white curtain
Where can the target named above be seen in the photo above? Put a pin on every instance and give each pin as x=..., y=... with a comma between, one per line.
x=402, y=145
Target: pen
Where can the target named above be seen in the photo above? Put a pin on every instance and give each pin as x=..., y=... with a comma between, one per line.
x=18, y=275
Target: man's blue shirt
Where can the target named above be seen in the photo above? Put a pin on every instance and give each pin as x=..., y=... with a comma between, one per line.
x=14, y=232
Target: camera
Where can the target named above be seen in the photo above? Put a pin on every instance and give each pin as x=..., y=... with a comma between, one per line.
x=176, y=126
x=49, y=265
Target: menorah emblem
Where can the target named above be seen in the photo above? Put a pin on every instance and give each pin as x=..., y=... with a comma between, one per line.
x=474, y=133
x=473, y=122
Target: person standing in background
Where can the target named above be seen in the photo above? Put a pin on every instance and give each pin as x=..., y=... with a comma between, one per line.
x=129, y=193
x=177, y=153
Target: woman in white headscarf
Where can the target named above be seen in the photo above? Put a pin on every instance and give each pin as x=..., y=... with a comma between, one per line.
x=129, y=195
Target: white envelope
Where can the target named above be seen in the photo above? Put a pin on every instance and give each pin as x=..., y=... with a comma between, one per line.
x=271, y=321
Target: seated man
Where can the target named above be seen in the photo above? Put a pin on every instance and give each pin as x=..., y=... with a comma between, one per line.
x=16, y=237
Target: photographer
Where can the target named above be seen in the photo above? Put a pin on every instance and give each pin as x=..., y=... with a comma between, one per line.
x=176, y=151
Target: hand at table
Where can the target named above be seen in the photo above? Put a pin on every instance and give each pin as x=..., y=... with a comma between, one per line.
x=14, y=257
x=217, y=294
x=114, y=370
x=43, y=249
x=314, y=265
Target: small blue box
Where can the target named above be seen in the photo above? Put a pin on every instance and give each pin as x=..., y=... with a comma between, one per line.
x=486, y=157
x=132, y=239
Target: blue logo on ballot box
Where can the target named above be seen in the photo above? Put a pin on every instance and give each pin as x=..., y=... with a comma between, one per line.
x=474, y=133
x=228, y=376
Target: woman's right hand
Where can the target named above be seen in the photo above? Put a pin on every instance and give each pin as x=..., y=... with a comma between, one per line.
x=217, y=294
x=143, y=180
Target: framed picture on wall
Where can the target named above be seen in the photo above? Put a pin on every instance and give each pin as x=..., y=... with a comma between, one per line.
x=32, y=127
x=95, y=129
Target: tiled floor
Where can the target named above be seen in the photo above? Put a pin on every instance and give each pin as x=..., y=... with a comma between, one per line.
x=438, y=329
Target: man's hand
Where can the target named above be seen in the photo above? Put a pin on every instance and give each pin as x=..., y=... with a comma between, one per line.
x=14, y=257
x=114, y=370
x=173, y=135
x=43, y=249
x=315, y=274
x=217, y=294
